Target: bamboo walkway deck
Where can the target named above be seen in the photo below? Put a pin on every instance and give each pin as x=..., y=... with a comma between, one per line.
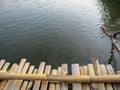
x=93, y=69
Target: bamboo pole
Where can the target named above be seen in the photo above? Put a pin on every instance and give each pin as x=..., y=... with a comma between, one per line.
x=101, y=86
x=108, y=86
x=30, y=84
x=53, y=85
x=25, y=83
x=37, y=83
x=44, y=84
x=64, y=86
x=58, y=85
x=64, y=78
x=2, y=63
x=85, y=69
x=76, y=71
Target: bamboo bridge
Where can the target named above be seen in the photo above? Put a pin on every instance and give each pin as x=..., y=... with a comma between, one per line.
x=24, y=76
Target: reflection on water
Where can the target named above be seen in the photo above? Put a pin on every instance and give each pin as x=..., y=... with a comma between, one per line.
x=57, y=31
x=112, y=14
x=111, y=18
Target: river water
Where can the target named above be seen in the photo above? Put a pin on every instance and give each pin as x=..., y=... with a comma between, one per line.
x=58, y=31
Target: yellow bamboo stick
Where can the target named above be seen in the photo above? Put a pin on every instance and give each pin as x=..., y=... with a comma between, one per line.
x=64, y=78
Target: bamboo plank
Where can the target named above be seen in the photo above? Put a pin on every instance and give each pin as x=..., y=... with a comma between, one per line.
x=94, y=86
x=110, y=69
x=19, y=82
x=91, y=70
x=1, y=63
x=14, y=66
x=25, y=83
x=82, y=73
x=85, y=72
x=85, y=69
x=11, y=83
x=44, y=84
x=97, y=69
x=58, y=85
x=20, y=67
x=76, y=71
x=111, y=72
x=52, y=86
x=29, y=87
x=36, y=85
x=103, y=69
x=104, y=72
x=5, y=66
x=81, y=70
x=64, y=86
x=59, y=70
x=4, y=82
x=96, y=66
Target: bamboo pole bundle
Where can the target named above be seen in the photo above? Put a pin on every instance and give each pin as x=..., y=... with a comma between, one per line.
x=63, y=78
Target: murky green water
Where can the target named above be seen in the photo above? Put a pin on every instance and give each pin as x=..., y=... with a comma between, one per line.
x=57, y=31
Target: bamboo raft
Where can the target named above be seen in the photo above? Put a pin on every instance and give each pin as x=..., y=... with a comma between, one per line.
x=23, y=76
